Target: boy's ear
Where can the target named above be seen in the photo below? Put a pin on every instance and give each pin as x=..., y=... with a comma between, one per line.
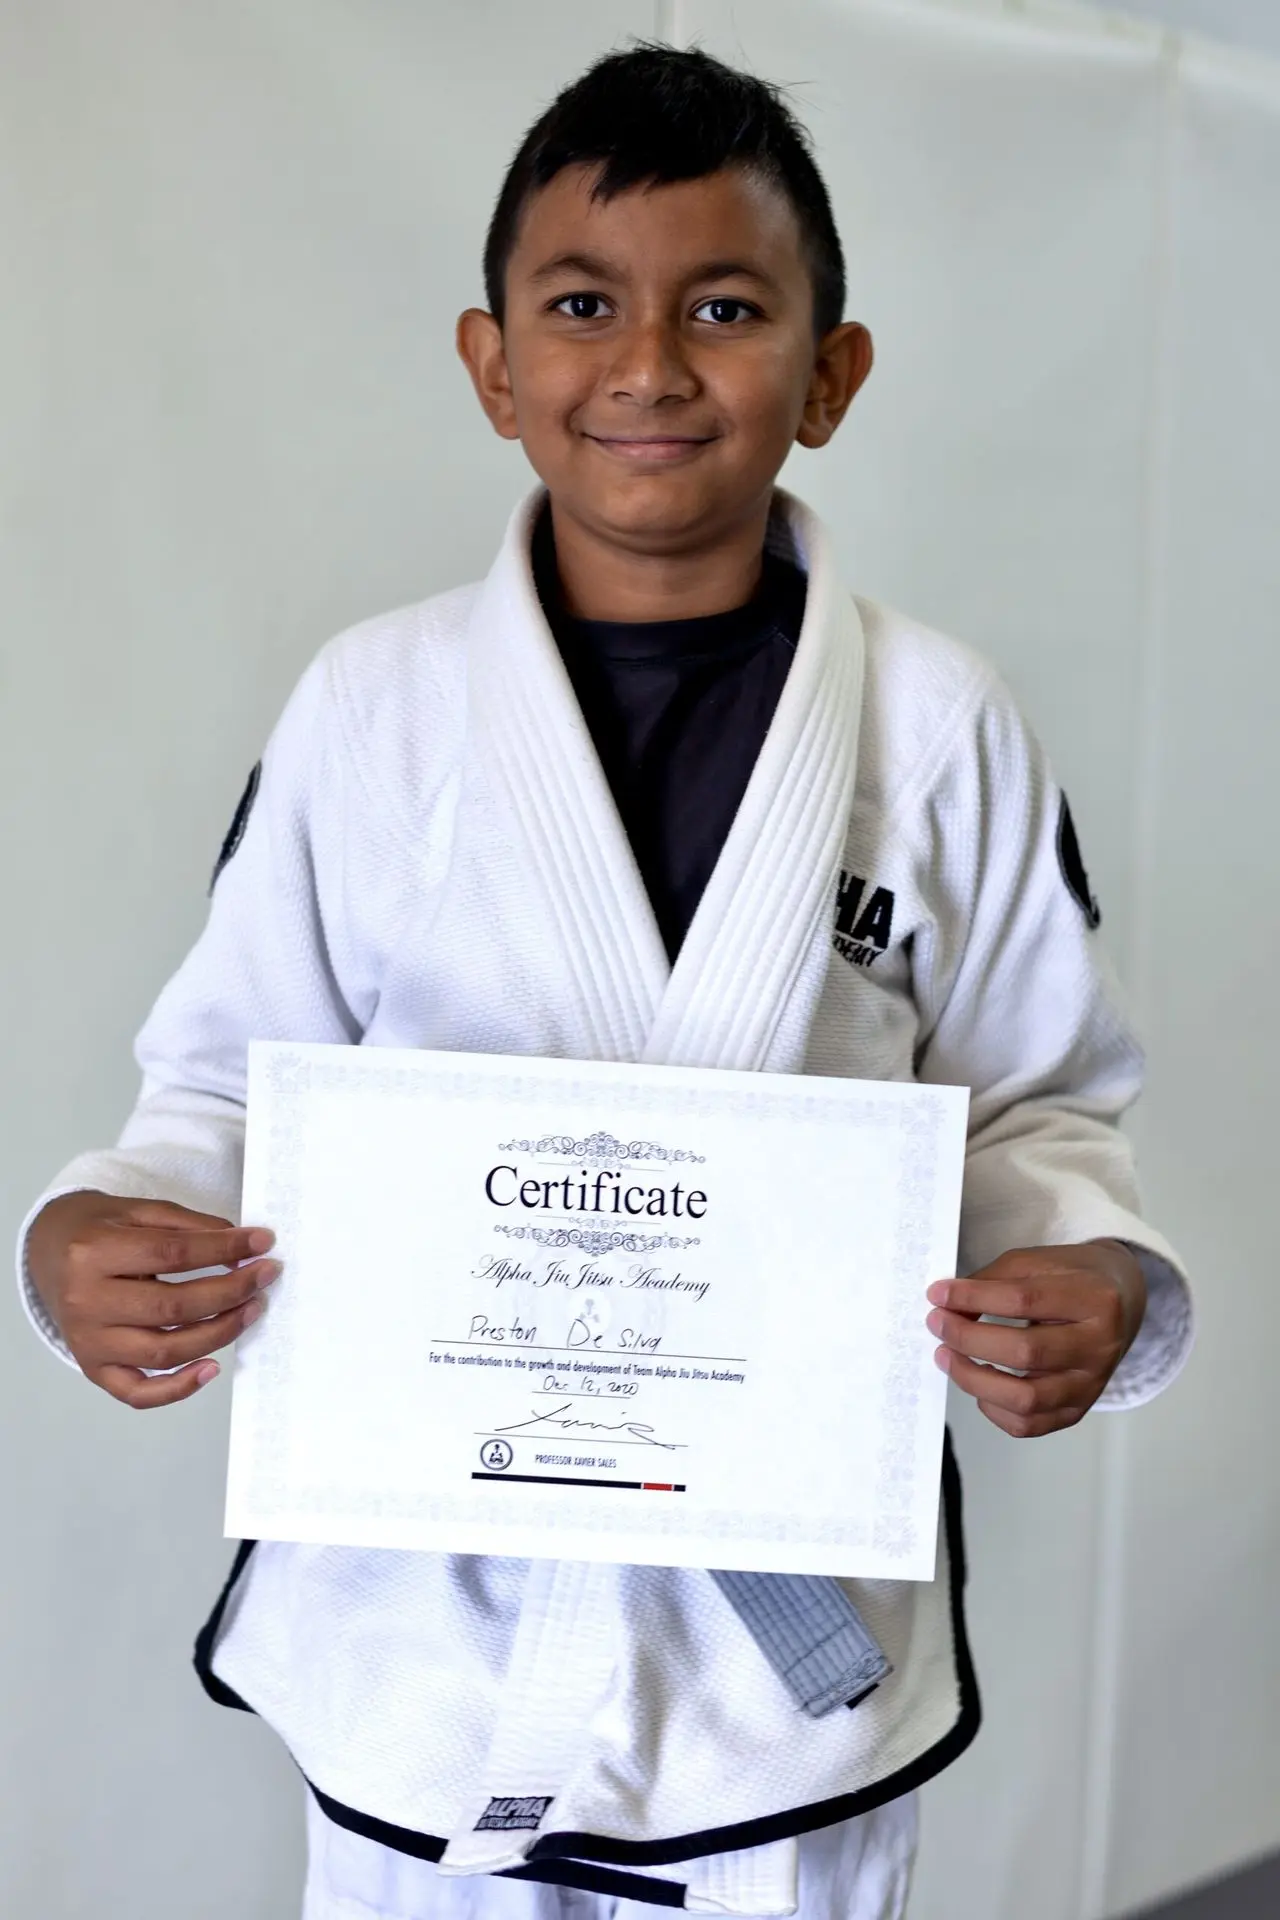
x=840, y=367
x=479, y=341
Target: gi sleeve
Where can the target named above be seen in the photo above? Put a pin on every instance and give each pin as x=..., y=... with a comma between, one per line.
x=263, y=968
x=1019, y=1002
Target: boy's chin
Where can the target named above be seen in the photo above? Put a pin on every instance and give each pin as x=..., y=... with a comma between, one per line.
x=655, y=511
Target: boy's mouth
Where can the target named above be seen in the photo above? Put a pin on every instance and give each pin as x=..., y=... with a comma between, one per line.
x=639, y=448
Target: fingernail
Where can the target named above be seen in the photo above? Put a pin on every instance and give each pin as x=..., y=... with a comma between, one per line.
x=934, y=1322
x=261, y=1240
x=251, y=1313
x=939, y=1292
x=209, y=1371
x=942, y=1358
x=271, y=1270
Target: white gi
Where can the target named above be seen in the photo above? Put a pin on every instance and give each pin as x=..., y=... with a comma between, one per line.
x=434, y=859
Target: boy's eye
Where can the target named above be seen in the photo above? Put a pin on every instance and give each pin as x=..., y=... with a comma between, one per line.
x=582, y=306
x=723, y=311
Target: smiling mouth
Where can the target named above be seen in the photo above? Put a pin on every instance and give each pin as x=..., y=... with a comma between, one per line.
x=655, y=447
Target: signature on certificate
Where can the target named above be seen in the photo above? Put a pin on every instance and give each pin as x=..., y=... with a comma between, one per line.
x=638, y=1429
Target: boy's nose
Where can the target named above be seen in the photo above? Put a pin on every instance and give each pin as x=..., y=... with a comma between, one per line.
x=650, y=364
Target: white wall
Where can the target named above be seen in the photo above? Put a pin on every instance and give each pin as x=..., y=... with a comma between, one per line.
x=1197, y=1723
x=1254, y=24
x=237, y=238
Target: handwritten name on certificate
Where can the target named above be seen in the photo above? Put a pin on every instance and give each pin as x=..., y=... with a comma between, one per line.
x=662, y=1315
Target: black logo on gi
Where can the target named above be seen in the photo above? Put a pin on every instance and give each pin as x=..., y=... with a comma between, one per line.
x=239, y=821
x=1072, y=864
x=496, y=1455
x=862, y=931
x=514, y=1812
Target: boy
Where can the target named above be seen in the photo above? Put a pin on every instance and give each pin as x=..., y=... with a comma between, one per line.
x=658, y=788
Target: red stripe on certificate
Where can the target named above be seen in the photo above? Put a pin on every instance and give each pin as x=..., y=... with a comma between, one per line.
x=567, y=1480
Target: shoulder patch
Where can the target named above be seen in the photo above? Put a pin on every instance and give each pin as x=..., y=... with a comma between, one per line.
x=1073, y=868
x=239, y=821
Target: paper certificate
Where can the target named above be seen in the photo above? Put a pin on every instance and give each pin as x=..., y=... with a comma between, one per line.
x=576, y=1310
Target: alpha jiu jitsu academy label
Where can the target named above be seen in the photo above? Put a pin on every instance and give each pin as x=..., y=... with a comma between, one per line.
x=573, y=1309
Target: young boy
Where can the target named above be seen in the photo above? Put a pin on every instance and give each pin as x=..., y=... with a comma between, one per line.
x=658, y=788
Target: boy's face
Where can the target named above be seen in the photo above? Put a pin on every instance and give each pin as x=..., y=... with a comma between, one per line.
x=658, y=358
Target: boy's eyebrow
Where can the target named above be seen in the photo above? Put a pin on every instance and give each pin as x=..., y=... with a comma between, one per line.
x=594, y=266
x=735, y=270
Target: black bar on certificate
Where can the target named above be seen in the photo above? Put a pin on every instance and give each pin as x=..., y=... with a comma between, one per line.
x=564, y=1480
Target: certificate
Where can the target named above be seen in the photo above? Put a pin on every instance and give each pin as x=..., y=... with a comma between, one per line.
x=572, y=1309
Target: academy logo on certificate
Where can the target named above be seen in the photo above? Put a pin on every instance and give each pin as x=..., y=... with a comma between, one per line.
x=512, y=1813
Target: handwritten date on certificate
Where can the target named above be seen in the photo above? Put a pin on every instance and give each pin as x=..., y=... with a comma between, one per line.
x=644, y=1314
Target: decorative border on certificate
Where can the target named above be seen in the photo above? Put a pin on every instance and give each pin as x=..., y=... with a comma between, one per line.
x=596, y=1148
x=292, y=1074
x=595, y=1240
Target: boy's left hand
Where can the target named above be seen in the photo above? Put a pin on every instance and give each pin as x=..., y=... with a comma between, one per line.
x=1083, y=1305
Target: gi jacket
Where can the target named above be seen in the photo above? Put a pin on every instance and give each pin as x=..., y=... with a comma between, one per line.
x=431, y=857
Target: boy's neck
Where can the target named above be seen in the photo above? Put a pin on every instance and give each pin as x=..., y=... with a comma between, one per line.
x=599, y=581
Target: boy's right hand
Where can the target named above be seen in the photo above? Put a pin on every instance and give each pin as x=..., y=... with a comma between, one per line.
x=94, y=1261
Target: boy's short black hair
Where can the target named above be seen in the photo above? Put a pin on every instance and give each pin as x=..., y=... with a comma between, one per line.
x=656, y=115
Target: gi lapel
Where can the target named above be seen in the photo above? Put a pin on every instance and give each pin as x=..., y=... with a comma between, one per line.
x=748, y=975
x=540, y=753
x=757, y=951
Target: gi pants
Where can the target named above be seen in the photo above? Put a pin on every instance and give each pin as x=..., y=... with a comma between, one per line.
x=857, y=1870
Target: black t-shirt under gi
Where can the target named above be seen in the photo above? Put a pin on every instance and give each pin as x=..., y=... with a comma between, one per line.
x=678, y=711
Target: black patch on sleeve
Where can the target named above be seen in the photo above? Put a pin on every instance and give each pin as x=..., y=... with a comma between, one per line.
x=1073, y=869
x=239, y=821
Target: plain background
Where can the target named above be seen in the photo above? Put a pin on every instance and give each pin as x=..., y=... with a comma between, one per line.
x=236, y=238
